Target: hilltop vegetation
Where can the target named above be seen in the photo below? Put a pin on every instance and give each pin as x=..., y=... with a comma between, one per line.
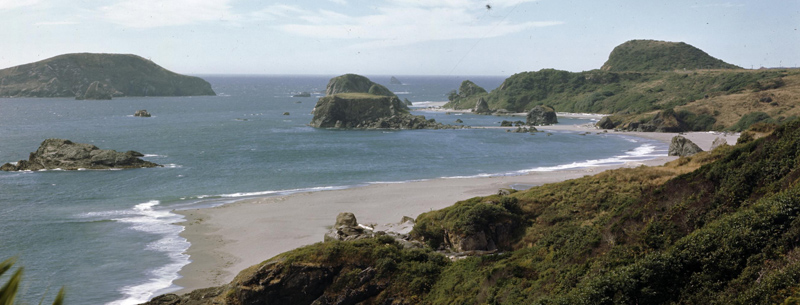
x=719, y=227
x=653, y=55
x=706, y=99
x=80, y=75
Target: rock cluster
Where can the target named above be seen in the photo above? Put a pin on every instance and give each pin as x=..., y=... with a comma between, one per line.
x=66, y=155
x=542, y=115
x=683, y=147
x=347, y=228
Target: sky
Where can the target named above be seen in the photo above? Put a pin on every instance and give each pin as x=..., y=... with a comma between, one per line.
x=394, y=37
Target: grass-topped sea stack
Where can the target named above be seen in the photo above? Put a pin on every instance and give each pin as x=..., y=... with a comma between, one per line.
x=97, y=76
x=354, y=101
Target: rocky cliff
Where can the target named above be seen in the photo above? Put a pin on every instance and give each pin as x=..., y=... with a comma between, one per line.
x=66, y=155
x=353, y=101
x=97, y=76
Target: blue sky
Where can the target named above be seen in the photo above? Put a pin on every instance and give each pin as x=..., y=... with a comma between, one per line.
x=394, y=37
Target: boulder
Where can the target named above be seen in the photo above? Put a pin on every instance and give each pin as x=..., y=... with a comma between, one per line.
x=606, y=123
x=683, y=147
x=142, y=113
x=542, y=115
x=66, y=155
x=481, y=107
x=718, y=142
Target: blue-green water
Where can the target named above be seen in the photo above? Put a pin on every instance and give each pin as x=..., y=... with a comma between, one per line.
x=109, y=237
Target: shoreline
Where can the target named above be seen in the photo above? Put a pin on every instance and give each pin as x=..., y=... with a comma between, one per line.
x=229, y=238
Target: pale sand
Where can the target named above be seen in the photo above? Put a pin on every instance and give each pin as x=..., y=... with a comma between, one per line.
x=227, y=239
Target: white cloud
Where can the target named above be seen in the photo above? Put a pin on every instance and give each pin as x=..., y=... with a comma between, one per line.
x=158, y=13
x=55, y=23
x=12, y=4
x=405, y=22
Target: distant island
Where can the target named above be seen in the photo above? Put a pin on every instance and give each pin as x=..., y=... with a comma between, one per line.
x=97, y=76
x=649, y=85
x=395, y=81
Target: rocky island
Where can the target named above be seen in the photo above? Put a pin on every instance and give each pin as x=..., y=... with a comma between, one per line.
x=67, y=155
x=354, y=101
x=97, y=76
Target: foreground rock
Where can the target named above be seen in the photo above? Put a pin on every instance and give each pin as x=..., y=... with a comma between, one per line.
x=683, y=147
x=356, y=102
x=542, y=115
x=97, y=76
x=66, y=155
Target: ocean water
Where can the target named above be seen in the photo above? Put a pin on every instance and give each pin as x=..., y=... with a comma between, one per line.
x=109, y=236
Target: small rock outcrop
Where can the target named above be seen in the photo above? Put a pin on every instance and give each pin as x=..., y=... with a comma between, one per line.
x=683, y=147
x=718, y=142
x=606, y=123
x=347, y=228
x=370, y=108
x=481, y=107
x=408, y=103
x=66, y=155
x=542, y=115
x=395, y=81
x=302, y=94
x=142, y=113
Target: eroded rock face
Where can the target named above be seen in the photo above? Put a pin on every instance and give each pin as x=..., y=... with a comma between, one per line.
x=683, y=147
x=542, y=115
x=66, y=155
x=482, y=107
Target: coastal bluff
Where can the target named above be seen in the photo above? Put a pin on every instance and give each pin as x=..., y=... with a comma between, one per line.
x=67, y=155
x=97, y=76
x=354, y=101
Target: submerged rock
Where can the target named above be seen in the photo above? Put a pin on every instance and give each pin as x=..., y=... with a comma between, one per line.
x=66, y=155
x=542, y=115
x=142, y=113
x=683, y=147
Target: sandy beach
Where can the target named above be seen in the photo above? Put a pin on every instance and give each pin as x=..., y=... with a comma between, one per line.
x=227, y=239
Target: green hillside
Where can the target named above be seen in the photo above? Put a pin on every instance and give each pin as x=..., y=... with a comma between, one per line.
x=70, y=75
x=654, y=56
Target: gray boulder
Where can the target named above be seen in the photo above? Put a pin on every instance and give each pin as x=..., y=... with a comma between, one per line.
x=542, y=115
x=481, y=107
x=606, y=123
x=683, y=147
x=66, y=155
x=718, y=142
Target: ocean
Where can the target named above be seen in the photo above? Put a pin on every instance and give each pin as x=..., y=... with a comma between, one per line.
x=109, y=236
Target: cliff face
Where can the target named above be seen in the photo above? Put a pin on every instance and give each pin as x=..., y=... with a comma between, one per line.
x=97, y=76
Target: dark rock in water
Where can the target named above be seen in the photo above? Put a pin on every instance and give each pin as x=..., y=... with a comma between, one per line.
x=97, y=76
x=683, y=147
x=542, y=115
x=408, y=103
x=481, y=107
x=302, y=94
x=142, y=113
x=505, y=123
x=286, y=113
x=606, y=123
x=98, y=91
x=459, y=121
x=395, y=81
x=353, y=83
x=365, y=110
x=66, y=155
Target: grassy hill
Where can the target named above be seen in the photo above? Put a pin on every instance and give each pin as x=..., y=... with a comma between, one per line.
x=70, y=75
x=715, y=99
x=653, y=55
